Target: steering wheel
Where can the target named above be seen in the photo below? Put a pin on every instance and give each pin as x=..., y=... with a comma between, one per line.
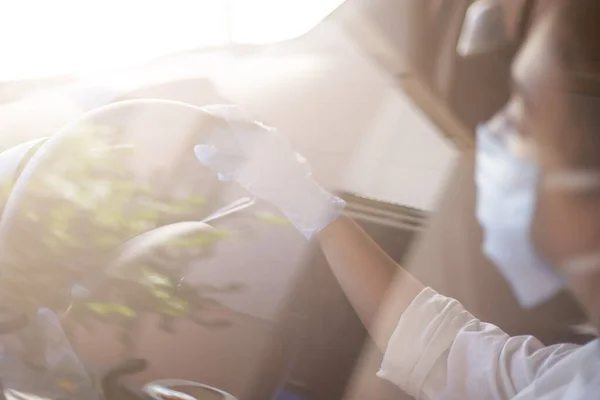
x=137, y=154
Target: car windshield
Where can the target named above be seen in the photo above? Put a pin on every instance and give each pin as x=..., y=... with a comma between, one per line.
x=67, y=36
x=135, y=263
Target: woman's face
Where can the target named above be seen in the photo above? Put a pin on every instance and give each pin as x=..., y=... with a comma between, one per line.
x=566, y=224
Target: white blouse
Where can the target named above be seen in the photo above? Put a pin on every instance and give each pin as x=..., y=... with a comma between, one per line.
x=440, y=351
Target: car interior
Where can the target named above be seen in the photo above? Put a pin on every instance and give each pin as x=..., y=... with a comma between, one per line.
x=376, y=95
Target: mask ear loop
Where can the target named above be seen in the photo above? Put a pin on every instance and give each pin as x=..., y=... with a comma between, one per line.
x=582, y=265
x=573, y=181
x=585, y=329
x=577, y=182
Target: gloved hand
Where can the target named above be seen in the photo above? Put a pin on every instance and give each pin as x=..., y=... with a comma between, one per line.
x=262, y=161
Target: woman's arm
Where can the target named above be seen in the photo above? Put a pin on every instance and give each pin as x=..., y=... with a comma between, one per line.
x=365, y=272
x=432, y=345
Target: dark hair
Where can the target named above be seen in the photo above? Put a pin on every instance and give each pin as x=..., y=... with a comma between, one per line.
x=576, y=39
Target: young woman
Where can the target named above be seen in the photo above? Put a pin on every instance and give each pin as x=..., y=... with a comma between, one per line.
x=538, y=180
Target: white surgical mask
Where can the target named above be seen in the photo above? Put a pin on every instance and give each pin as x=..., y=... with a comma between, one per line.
x=506, y=200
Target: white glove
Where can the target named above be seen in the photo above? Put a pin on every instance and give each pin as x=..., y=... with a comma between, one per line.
x=261, y=160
